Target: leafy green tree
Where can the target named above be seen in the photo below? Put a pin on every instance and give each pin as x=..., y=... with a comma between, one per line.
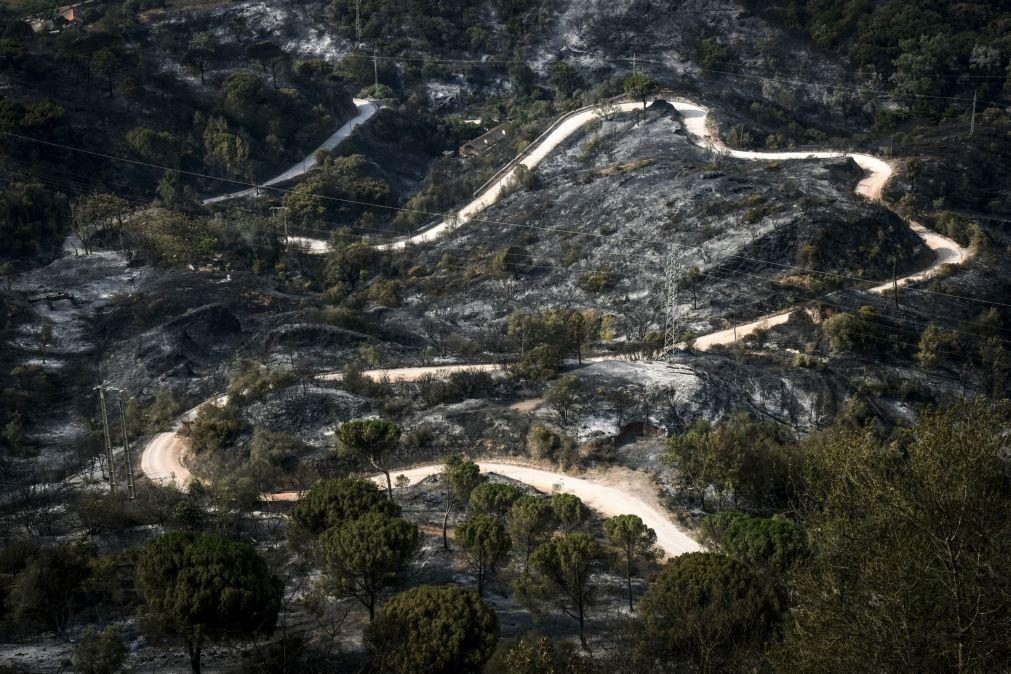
x=332, y=503
x=106, y=62
x=14, y=435
x=539, y=363
x=158, y=147
x=544, y=442
x=214, y=429
x=569, y=511
x=564, y=566
x=94, y=212
x=328, y=191
x=100, y=652
x=708, y=612
x=32, y=218
x=276, y=451
x=911, y=532
x=918, y=66
x=201, y=588
x=512, y=260
x=462, y=477
x=177, y=197
x=270, y=56
x=494, y=498
x=530, y=655
x=564, y=397
x=348, y=262
x=713, y=55
x=995, y=364
x=740, y=457
x=530, y=519
x=367, y=556
x=226, y=150
x=485, y=542
x=565, y=78
x=640, y=87
x=50, y=588
x=433, y=629
x=523, y=80
x=200, y=52
x=770, y=545
x=7, y=272
x=45, y=335
x=161, y=413
x=374, y=439
x=859, y=332
x=634, y=540
x=378, y=92
x=172, y=238
x=936, y=345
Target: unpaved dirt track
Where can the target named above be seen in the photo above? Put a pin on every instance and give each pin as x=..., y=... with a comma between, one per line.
x=162, y=460
x=618, y=491
x=495, y=191
x=365, y=110
x=416, y=373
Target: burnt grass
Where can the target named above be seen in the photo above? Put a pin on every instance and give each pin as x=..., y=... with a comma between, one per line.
x=606, y=209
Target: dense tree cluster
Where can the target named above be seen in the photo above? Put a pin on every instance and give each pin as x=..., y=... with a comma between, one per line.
x=923, y=51
x=328, y=193
x=447, y=24
x=254, y=110
x=738, y=460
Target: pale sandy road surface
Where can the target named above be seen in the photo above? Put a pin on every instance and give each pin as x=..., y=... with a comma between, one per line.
x=162, y=459
x=616, y=491
x=365, y=111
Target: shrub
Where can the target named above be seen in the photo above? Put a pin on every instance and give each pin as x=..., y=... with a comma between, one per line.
x=100, y=652
x=936, y=345
x=385, y=293
x=214, y=429
x=597, y=281
x=545, y=443
x=540, y=363
x=857, y=332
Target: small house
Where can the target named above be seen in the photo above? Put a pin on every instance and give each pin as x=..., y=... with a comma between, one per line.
x=485, y=142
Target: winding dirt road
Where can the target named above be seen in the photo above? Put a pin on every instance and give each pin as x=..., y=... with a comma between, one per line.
x=365, y=111
x=616, y=491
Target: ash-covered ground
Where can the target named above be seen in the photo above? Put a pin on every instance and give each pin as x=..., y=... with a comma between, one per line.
x=605, y=212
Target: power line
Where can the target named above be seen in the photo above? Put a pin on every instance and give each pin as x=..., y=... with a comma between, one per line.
x=497, y=60
x=470, y=219
x=823, y=85
x=712, y=274
x=648, y=241
x=635, y=59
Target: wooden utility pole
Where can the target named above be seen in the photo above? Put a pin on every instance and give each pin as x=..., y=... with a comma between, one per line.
x=375, y=66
